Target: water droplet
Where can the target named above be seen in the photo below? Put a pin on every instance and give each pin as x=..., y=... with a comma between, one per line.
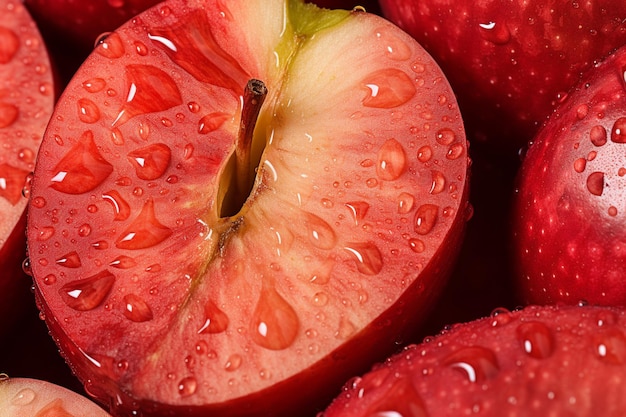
x=140, y=48
x=424, y=153
x=358, y=210
x=388, y=88
x=598, y=135
x=123, y=262
x=88, y=293
x=187, y=386
x=445, y=136
x=111, y=46
x=88, y=111
x=501, y=316
x=10, y=44
x=455, y=151
x=136, y=309
x=476, y=363
x=145, y=231
x=536, y=339
x=8, y=114
x=618, y=132
x=580, y=164
x=70, y=260
x=346, y=329
x=149, y=89
x=44, y=233
x=438, y=183
x=50, y=279
x=215, y=320
x=425, y=218
x=320, y=299
x=275, y=324
x=84, y=230
x=595, y=183
x=212, y=122
x=406, y=202
x=417, y=245
x=12, y=182
x=391, y=160
x=121, y=208
x=401, y=400
x=82, y=169
x=26, y=155
x=497, y=33
x=233, y=362
x=24, y=396
x=320, y=233
x=367, y=257
x=610, y=346
x=395, y=48
x=151, y=162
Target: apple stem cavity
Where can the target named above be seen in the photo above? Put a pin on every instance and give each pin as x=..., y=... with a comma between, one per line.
x=242, y=164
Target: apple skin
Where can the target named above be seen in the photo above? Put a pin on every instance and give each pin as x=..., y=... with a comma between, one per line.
x=27, y=93
x=511, y=62
x=568, y=230
x=107, y=190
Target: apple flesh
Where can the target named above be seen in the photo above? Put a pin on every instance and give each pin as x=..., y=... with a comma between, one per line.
x=169, y=293
x=36, y=398
x=26, y=101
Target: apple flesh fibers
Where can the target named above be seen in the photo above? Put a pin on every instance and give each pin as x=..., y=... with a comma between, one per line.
x=26, y=100
x=166, y=293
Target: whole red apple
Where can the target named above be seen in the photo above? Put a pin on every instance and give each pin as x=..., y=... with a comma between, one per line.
x=26, y=101
x=239, y=204
x=570, y=208
x=510, y=62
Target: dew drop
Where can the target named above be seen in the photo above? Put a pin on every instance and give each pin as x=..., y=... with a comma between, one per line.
x=111, y=46
x=346, y=329
x=123, y=262
x=233, y=362
x=215, y=320
x=136, y=309
x=212, y=122
x=598, y=135
x=187, y=386
x=25, y=396
x=150, y=162
x=417, y=245
x=88, y=111
x=69, y=260
x=140, y=48
x=476, y=363
x=595, y=183
x=50, y=279
x=44, y=233
x=320, y=299
x=388, y=88
x=26, y=155
x=618, y=132
x=580, y=164
x=275, y=324
x=320, y=233
x=121, y=208
x=425, y=218
x=38, y=202
x=391, y=160
x=438, y=183
x=445, y=136
x=358, y=210
x=88, y=293
x=497, y=33
x=366, y=256
x=424, y=153
x=149, y=89
x=401, y=400
x=394, y=47
x=82, y=169
x=145, y=231
x=536, y=339
x=406, y=202
x=8, y=114
x=13, y=181
x=455, y=151
x=84, y=230
x=9, y=44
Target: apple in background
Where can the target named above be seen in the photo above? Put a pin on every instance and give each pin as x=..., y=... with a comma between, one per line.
x=20, y=397
x=233, y=199
x=26, y=101
x=548, y=361
x=569, y=222
x=510, y=62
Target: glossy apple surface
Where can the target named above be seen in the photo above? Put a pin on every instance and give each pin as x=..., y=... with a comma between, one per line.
x=172, y=283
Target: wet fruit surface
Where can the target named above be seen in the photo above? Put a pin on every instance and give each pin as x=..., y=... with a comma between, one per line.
x=157, y=298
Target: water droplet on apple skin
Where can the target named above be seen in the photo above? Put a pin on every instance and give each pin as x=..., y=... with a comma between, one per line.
x=23, y=397
x=478, y=364
x=391, y=160
x=87, y=293
x=275, y=323
x=387, y=88
x=497, y=33
x=535, y=339
x=136, y=309
x=10, y=44
x=8, y=114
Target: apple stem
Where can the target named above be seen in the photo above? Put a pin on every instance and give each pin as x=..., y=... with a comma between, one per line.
x=253, y=97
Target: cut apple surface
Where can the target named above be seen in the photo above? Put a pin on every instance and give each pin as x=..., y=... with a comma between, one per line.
x=26, y=101
x=169, y=292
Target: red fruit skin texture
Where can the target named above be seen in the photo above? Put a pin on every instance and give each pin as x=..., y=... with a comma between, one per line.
x=566, y=361
x=570, y=206
x=26, y=101
x=150, y=316
x=511, y=62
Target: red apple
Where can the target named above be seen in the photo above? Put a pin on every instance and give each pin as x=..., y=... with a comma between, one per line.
x=569, y=222
x=510, y=61
x=233, y=199
x=22, y=397
x=26, y=101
